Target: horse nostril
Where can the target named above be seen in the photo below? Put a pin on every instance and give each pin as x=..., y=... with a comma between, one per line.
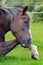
x=29, y=40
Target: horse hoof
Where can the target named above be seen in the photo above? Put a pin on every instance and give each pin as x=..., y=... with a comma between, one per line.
x=36, y=57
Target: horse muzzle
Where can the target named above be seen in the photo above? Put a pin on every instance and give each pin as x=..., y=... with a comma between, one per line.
x=26, y=42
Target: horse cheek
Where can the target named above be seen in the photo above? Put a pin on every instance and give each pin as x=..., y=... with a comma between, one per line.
x=14, y=27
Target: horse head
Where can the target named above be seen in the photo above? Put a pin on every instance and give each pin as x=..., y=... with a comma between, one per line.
x=20, y=28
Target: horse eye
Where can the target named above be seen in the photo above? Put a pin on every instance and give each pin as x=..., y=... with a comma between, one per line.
x=25, y=21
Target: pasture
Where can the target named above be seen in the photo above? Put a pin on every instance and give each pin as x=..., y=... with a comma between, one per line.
x=21, y=56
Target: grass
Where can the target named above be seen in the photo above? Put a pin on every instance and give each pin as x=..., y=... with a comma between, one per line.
x=21, y=56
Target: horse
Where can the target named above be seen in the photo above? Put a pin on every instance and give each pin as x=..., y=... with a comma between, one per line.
x=17, y=21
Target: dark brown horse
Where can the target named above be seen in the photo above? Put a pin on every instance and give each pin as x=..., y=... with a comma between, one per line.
x=17, y=21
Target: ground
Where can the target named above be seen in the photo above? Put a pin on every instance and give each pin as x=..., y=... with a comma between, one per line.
x=21, y=56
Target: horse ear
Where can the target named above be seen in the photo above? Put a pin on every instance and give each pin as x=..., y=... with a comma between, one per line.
x=24, y=10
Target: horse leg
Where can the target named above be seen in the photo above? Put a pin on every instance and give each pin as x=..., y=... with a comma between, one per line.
x=34, y=51
x=7, y=46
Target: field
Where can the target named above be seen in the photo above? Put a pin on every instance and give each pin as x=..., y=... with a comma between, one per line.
x=21, y=56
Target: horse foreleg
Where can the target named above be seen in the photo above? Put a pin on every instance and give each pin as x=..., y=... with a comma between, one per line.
x=7, y=46
x=34, y=52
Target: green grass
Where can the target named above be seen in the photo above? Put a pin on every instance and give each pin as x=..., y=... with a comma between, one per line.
x=21, y=56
